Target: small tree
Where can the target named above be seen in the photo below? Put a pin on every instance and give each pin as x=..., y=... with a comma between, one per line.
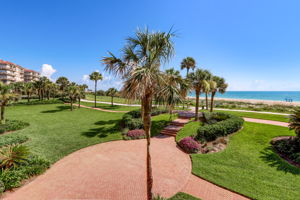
x=95, y=76
x=63, y=83
x=73, y=92
x=6, y=95
x=217, y=85
x=81, y=93
x=112, y=93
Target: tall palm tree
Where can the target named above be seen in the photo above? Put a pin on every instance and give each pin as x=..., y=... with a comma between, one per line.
x=28, y=90
x=95, y=76
x=218, y=84
x=206, y=87
x=185, y=87
x=188, y=63
x=112, y=93
x=198, y=81
x=139, y=66
x=295, y=122
x=6, y=95
x=62, y=82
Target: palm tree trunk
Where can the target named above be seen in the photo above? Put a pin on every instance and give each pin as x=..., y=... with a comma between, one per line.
x=147, y=127
x=212, y=101
x=28, y=96
x=197, y=105
x=79, y=100
x=206, y=99
x=2, y=114
x=187, y=72
x=112, y=100
x=71, y=104
x=95, y=93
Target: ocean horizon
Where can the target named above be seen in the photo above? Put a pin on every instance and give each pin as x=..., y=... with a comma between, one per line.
x=284, y=96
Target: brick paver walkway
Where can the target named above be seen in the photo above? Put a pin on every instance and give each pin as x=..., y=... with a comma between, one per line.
x=263, y=121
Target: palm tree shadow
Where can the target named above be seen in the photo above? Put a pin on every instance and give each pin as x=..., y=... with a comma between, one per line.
x=59, y=109
x=274, y=160
x=106, y=128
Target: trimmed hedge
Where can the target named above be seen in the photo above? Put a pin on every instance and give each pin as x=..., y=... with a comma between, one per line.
x=12, y=139
x=35, y=102
x=220, y=124
x=12, y=125
x=132, y=120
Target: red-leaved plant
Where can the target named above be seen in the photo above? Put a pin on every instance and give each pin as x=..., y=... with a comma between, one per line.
x=189, y=145
x=136, y=134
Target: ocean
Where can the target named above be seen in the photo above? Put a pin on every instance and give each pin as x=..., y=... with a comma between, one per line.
x=259, y=95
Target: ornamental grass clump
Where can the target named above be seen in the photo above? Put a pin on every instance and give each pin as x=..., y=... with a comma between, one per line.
x=189, y=145
x=135, y=134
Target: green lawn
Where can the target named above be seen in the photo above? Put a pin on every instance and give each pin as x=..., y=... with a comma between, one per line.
x=183, y=196
x=108, y=99
x=188, y=130
x=249, y=166
x=273, y=117
x=159, y=122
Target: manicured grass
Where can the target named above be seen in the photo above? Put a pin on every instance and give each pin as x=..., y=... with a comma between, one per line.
x=183, y=196
x=110, y=107
x=273, y=117
x=188, y=130
x=55, y=131
x=249, y=165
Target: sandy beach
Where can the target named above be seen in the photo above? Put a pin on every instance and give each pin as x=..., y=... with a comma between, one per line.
x=254, y=101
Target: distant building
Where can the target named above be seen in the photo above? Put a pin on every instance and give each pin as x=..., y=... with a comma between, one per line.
x=10, y=73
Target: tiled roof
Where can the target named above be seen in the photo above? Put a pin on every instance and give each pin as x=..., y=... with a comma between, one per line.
x=29, y=70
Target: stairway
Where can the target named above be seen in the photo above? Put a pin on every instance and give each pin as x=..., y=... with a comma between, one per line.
x=175, y=126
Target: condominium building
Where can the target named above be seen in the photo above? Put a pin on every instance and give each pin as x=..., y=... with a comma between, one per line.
x=10, y=73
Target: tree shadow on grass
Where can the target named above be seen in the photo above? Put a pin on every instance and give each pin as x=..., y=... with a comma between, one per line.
x=274, y=160
x=59, y=109
x=106, y=128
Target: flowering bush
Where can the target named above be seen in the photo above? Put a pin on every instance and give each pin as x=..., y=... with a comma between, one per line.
x=136, y=134
x=189, y=145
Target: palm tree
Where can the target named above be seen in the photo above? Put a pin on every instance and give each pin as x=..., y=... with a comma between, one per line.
x=81, y=93
x=185, y=87
x=62, y=82
x=112, y=93
x=6, y=95
x=206, y=87
x=73, y=92
x=218, y=85
x=140, y=68
x=188, y=63
x=295, y=122
x=198, y=81
x=95, y=76
x=28, y=90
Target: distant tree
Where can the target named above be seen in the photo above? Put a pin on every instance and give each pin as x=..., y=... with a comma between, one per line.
x=95, y=76
x=206, y=86
x=112, y=93
x=73, y=92
x=188, y=63
x=185, y=87
x=101, y=93
x=198, y=81
x=218, y=84
x=62, y=82
x=81, y=93
x=28, y=90
x=6, y=95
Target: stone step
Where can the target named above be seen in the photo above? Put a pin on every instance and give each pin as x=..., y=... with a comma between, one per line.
x=167, y=133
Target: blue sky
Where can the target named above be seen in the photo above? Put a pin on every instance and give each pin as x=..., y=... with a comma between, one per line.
x=254, y=44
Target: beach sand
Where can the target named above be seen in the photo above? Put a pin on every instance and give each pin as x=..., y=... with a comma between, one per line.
x=254, y=101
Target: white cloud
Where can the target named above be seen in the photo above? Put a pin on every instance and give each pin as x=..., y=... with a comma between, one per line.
x=85, y=78
x=47, y=70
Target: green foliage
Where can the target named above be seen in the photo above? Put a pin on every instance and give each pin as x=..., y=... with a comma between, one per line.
x=12, y=125
x=183, y=196
x=13, y=156
x=295, y=122
x=2, y=187
x=13, y=177
x=289, y=147
x=224, y=124
x=52, y=101
x=12, y=139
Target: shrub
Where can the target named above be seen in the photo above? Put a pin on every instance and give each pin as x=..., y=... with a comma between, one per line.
x=13, y=177
x=12, y=125
x=225, y=124
x=2, y=187
x=135, y=134
x=288, y=147
x=35, y=102
x=13, y=156
x=189, y=145
x=12, y=139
